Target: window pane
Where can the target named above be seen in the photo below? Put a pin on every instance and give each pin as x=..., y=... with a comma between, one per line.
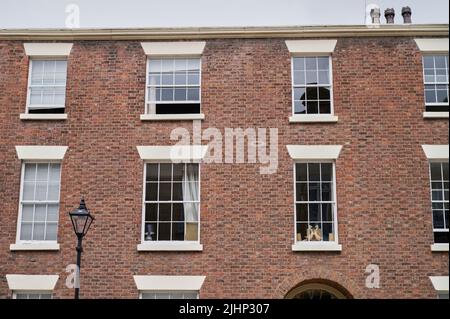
x=299, y=78
x=311, y=77
x=429, y=76
x=314, y=171
x=436, y=173
x=40, y=213
x=39, y=231
x=301, y=172
x=155, y=66
x=327, y=212
x=30, y=172
x=300, y=94
x=324, y=93
x=166, y=94
x=193, y=94
x=324, y=77
x=323, y=63
x=299, y=107
x=180, y=64
x=299, y=63
x=314, y=192
x=165, y=212
x=177, y=192
x=152, y=172
x=164, y=231
x=327, y=190
x=178, y=172
x=438, y=219
x=154, y=79
x=55, y=172
x=194, y=78
x=311, y=63
x=324, y=107
x=25, y=231
x=191, y=232
x=178, y=231
x=167, y=65
x=311, y=93
x=151, y=212
x=151, y=231
x=302, y=212
x=27, y=213
x=53, y=212
x=302, y=231
x=440, y=62
x=445, y=170
x=314, y=212
x=53, y=191
x=313, y=107
x=28, y=191
x=193, y=64
x=180, y=94
x=41, y=191
x=178, y=212
x=42, y=172
x=328, y=232
x=165, y=173
x=52, y=229
x=327, y=172
x=428, y=62
x=151, y=192
x=165, y=191
x=302, y=192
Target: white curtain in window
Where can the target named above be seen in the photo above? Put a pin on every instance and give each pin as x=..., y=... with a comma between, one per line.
x=190, y=193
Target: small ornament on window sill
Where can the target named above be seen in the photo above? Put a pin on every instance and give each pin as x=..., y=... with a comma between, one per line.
x=314, y=234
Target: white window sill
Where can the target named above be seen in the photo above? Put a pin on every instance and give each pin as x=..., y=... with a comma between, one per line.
x=172, y=117
x=439, y=247
x=26, y=116
x=313, y=118
x=435, y=115
x=34, y=246
x=168, y=246
x=316, y=246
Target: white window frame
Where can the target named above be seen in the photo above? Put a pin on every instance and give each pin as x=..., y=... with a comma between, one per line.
x=434, y=54
x=44, y=244
x=325, y=117
x=319, y=245
x=436, y=246
x=29, y=87
x=170, y=117
x=33, y=292
x=141, y=292
x=172, y=245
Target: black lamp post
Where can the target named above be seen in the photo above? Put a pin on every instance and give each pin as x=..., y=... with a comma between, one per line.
x=81, y=220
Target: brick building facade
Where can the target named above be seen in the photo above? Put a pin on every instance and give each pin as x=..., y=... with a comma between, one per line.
x=247, y=243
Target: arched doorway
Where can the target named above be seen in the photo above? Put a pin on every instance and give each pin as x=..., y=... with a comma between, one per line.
x=320, y=289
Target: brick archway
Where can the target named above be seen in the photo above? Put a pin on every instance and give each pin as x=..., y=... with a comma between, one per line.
x=320, y=275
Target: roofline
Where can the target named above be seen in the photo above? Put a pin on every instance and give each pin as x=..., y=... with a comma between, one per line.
x=227, y=32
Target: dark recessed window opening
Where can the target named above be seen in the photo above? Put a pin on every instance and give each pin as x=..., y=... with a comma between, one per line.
x=59, y=110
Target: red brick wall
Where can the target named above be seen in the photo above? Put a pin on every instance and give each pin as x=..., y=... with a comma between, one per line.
x=383, y=196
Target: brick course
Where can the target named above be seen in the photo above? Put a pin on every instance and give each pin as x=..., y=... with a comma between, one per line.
x=383, y=197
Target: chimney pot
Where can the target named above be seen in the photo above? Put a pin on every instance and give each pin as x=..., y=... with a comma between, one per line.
x=406, y=13
x=390, y=15
x=376, y=15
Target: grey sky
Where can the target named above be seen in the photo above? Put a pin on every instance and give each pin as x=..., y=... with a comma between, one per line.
x=197, y=13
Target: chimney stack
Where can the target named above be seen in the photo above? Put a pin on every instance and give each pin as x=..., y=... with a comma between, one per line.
x=406, y=13
x=375, y=14
x=390, y=16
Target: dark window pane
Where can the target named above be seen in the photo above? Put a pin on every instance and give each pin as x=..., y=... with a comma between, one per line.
x=178, y=172
x=328, y=233
x=151, y=192
x=178, y=231
x=436, y=186
x=438, y=219
x=429, y=75
x=177, y=192
x=313, y=108
x=301, y=172
x=327, y=192
x=302, y=212
x=438, y=206
x=175, y=108
x=300, y=107
x=165, y=212
x=327, y=213
x=151, y=231
x=311, y=93
x=324, y=93
x=314, y=192
x=437, y=195
x=302, y=192
x=165, y=173
x=437, y=108
x=441, y=238
x=59, y=110
x=302, y=231
x=327, y=172
x=314, y=212
x=436, y=174
x=165, y=190
x=151, y=212
x=325, y=107
x=178, y=212
x=164, y=231
x=442, y=96
x=314, y=171
x=445, y=170
x=152, y=172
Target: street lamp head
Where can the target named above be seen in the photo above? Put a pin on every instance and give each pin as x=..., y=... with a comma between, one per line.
x=81, y=219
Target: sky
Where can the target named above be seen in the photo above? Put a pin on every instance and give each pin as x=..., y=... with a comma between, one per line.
x=21, y=14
